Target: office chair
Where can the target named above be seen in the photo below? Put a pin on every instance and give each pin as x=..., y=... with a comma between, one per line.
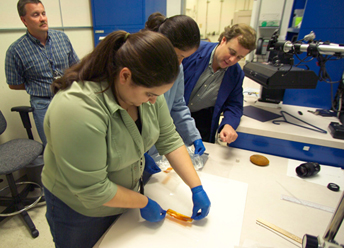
x=15, y=155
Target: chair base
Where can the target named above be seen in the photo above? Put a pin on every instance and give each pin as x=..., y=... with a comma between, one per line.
x=24, y=208
x=19, y=204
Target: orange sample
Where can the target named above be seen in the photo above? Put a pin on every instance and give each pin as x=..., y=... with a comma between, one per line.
x=178, y=216
x=168, y=169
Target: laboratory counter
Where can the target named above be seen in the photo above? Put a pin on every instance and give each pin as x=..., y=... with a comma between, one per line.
x=301, y=135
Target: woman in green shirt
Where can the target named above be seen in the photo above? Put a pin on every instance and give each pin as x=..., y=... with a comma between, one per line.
x=107, y=111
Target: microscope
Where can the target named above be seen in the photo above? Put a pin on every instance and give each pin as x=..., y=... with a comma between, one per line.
x=280, y=72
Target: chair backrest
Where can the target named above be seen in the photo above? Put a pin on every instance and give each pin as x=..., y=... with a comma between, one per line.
x=3, y=123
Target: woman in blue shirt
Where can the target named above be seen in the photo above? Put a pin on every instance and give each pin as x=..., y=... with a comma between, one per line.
x=184, y=34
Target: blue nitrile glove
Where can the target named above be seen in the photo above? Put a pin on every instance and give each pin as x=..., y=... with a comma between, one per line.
x=152, y=211
x=199, y=147
x=151, y=167
x=201, y=202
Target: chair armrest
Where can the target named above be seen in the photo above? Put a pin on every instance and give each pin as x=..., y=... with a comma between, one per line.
x=24, y=115
x=22, y=109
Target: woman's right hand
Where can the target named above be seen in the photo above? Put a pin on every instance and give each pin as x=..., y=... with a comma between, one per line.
x=152, y=211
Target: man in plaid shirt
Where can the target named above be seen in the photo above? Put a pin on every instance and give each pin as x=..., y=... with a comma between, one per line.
x=37, y=58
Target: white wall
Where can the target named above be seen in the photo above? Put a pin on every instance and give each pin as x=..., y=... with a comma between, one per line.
x=265, y=7
x=173, y=7
x=77, y=23
x=75, y=18
x=213, y=16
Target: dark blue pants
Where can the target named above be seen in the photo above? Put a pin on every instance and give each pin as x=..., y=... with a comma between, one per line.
x=71, y=229
x=203, y=119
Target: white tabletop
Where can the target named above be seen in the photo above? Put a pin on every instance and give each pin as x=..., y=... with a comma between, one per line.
x=222, y=227
x=266, y=185
x=291, y=132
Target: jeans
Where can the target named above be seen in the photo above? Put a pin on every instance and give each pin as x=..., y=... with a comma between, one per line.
x=40, y=106
x=71, y=229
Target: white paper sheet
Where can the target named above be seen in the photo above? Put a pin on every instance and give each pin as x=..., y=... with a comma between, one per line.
x=222, y=227
x=253, y=244
x=326, y=175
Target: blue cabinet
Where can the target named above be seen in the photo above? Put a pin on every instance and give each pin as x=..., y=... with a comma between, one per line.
x=128, y=15
x=326, y=19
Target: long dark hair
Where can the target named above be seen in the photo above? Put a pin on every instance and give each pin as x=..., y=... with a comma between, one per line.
x=149, y=56
x=181, y=30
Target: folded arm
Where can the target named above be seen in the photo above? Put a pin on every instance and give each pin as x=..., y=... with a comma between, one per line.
x=17, y=87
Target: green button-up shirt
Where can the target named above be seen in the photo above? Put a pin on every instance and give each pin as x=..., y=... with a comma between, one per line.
x=94, y=145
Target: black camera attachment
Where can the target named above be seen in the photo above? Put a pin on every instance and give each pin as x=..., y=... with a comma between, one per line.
x=307, y=169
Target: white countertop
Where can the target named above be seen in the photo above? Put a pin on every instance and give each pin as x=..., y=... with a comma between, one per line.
x=265, y=187
x=288, y=131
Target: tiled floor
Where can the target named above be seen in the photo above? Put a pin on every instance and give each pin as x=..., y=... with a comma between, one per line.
x=14, y=233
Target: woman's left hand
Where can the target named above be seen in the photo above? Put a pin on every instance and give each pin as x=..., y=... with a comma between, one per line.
x=201, y=202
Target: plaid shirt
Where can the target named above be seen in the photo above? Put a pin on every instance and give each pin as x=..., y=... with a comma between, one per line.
x=29, y=62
